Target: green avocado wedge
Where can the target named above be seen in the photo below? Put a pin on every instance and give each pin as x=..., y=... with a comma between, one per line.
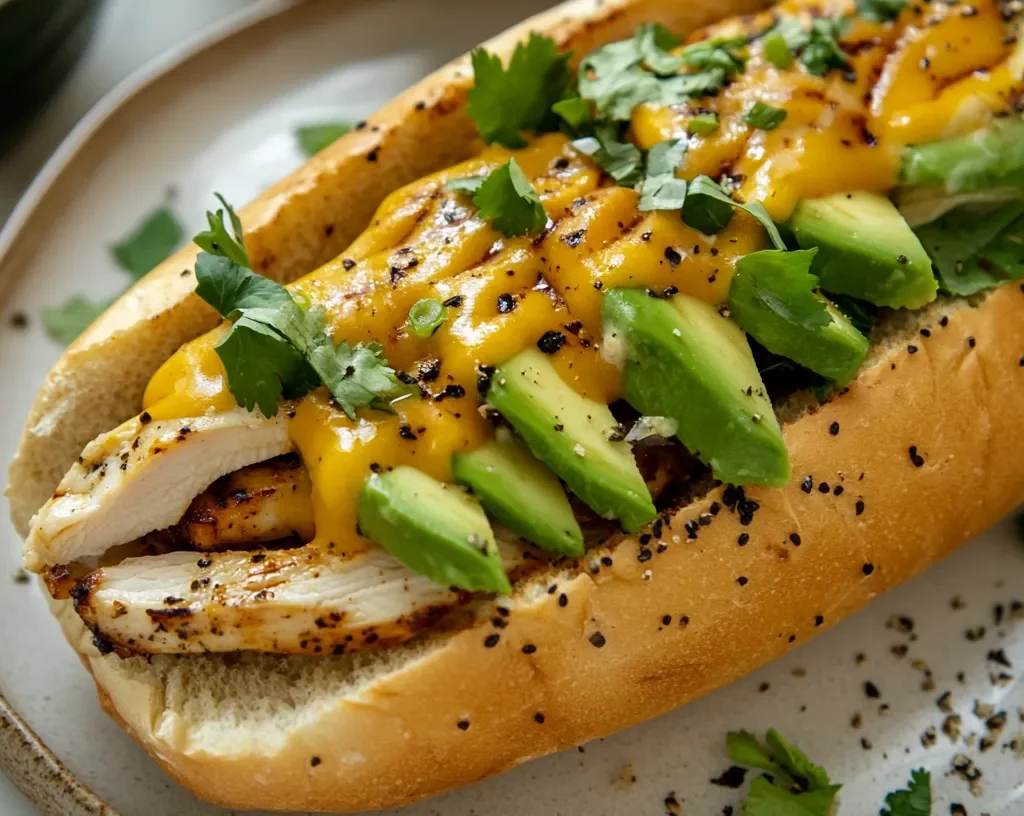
x=774, y=298
x=865, y=249
x=519, y=492
x=572, y=435
x=435, y=529
x=684, y=360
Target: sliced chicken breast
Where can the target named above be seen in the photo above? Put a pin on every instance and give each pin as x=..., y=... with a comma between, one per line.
x=301, y=601
x=261, y=503
x=141, y=477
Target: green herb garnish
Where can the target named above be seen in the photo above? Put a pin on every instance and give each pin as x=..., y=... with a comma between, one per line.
x=505, y=101
x=764, y=116
x=976, y=248
x=792, y=786
x=661, y=189
x=822, y=53
x=577, y=114
x=151, y=242
x=506, y=199
x=880, y=11
x=709, y=209
x=65, y=322
x=914, y=801
x=314, y=138
x=218, y=241
x=426, y=317
x=275, y=347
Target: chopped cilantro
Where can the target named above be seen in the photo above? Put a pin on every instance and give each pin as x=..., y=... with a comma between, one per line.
x=149, y=243
x=822, y=53
x=505, y=101
x=661, y=189
x=880, y=11
x=709, y=209
x=764, y=116
x=65, y=322
x=725, y=53
x=508, y=201
x=703, y=123
x=314, y=138
x=623, y=161
x=792, y=32
x=654, y=42
x=792, y=786
x=915, y=801
x=466, y=184
x=275, y=347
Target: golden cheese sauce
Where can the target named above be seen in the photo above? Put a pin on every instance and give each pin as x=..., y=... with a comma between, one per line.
x=935, y=72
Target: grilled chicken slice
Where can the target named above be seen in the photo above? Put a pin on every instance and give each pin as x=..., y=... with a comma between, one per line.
x=301, y=601
x=255, y=505
x=142, y=476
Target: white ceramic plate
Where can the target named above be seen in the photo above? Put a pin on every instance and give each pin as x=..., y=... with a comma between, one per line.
x=221, y=118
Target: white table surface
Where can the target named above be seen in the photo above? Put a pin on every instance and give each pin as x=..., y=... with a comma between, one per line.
x=129, y=34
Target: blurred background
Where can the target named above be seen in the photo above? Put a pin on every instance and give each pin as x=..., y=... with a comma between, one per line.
x=58, y=57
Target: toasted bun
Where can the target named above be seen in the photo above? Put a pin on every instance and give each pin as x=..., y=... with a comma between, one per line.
x=353, y=733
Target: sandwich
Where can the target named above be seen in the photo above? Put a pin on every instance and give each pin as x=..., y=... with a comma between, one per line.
x=602, y=367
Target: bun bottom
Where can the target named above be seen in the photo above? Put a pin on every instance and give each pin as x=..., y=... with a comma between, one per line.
x=920, y=454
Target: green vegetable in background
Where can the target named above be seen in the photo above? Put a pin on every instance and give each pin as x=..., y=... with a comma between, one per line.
x=314, y=138
x=152, y=241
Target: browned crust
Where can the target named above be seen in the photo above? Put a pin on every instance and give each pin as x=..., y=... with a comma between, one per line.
x=956, y=401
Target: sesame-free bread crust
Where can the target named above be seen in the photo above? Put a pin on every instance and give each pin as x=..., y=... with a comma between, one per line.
x=920, y=454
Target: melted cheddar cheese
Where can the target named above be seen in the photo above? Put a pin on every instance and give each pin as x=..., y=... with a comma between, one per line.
x=935, y=72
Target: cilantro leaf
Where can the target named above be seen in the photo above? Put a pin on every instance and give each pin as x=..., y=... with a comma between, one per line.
x=792, y=32
x=218, y=241
x=506, y=101
x=724, y=53
x=507, y=199
x=466, y=184
x=976, y=248
x=276, y=347
x=149, y=243
x=661, y=189
x=65, y=322
x=261, y=366
x=577, y=113
x=766, y=799
x=709, y=209
x=822, y=52
x=880, y=11
x=653, y=42
x=916, y=801
x=314, y=138
x=795, y=786
x=764, y=116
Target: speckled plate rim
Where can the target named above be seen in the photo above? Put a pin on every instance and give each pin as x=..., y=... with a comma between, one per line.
x=24, y=758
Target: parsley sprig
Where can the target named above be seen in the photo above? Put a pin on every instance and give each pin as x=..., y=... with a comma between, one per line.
x=792, y=784
x=916, y=800
x=275, y=347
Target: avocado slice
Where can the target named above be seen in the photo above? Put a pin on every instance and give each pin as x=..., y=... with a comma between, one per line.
x=686, y=361
x=571, y=435
x=865, y=249
x=435, y=529
x=774, y=298
x=518, y=491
